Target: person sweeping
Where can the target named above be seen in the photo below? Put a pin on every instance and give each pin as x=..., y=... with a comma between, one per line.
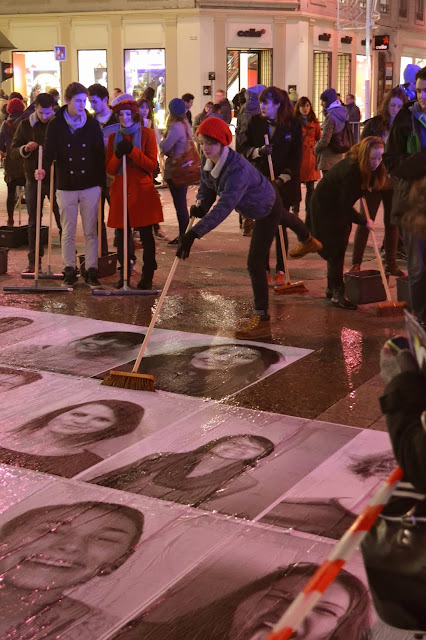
x=332, y=208
x=228, y=182
x=144, y=209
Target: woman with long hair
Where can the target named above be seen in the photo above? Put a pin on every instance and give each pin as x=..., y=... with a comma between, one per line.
x=193, y=476
x=250, y=612
x=311, y=133
x=332, y=208
x=380, y=126
x=67, y=435
x=285, y=149
x=144, y=209
x=214, y=371
x=174, y=145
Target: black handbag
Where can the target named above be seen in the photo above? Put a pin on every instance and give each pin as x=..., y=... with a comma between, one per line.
x=394, y=554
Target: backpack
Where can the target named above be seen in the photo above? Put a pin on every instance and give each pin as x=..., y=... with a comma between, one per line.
x=341, y=142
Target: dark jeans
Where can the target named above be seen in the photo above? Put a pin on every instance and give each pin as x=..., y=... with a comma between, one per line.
x=290, y=221
x=148, y=250
x=373, y=200
x=263, y=234
x=310, y=187
x=179, y=200
x=335, y=265
x=11, y=196
x=415, y=248
x=31, y=198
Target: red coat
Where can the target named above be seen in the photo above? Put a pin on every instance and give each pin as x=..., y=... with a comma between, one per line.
x=308, y=169
x=143, y=202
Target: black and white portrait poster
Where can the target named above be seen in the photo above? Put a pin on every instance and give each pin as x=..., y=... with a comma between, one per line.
x=69, y=424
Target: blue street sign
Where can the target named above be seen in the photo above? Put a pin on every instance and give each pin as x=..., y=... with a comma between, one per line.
x=60, y=53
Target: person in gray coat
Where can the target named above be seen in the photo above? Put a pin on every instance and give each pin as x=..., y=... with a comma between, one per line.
x=174, y=144
x=335, y=117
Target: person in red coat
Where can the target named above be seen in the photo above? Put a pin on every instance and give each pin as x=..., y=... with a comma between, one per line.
x=144, y=209
x=311, y=133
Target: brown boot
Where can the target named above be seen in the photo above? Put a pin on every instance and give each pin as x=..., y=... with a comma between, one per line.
x=302, y=248
x=256, y=328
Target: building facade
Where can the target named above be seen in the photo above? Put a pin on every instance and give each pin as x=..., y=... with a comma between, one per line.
x=199, y=46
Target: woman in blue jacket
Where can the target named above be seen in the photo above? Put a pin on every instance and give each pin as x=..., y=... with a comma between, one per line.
x=241, y=187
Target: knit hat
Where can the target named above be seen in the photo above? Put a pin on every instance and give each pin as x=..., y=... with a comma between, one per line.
x=15, y=106
x=177, y=107
x=131, y=105
x=121, y=97
x=328, y=96
x=256, y=90
x=217, y=129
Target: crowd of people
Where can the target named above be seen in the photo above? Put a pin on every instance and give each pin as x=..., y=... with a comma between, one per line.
x=279, y=144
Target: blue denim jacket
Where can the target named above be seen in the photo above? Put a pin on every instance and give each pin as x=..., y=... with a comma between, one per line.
x=239, y=186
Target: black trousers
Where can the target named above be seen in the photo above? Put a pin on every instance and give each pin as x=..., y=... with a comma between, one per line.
x=336, y=262
x=264, y=231
x=148, y=250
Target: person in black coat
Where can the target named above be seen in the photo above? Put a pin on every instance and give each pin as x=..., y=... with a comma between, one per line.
x=284, y=133
x=380, y=126
x=74, y=141
x=332, y=208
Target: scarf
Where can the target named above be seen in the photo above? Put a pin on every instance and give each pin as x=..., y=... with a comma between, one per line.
x=420, y=116
x=135, y=131
x=76, y=122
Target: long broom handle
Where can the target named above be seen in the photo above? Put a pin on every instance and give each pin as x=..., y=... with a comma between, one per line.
x=51, y=195
x=19, y=205
x=377, y=252
x=100, y=226
x=159, y=305
x=38, y=216
x=125, y=225
x=280, y=228
x=336, y=559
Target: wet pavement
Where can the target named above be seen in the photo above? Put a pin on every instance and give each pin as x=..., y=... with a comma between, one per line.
x=211, y=294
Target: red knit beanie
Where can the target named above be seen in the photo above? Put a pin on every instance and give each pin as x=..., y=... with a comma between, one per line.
x=216, y=128
x=15, y=106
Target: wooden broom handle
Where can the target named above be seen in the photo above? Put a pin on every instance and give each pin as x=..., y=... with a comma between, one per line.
x=125, y=266
x=377, y=252
x=158, y=307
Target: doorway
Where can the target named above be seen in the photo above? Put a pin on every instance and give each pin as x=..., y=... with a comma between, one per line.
x=245, y=68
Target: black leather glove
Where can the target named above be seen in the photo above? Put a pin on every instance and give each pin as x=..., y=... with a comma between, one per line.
x=197, y=211
x=185, y=244
x=124, y=147
x=266, y=150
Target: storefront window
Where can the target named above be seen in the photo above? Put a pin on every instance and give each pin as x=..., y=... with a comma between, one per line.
x=147, y=68
x=92, y=66
x=322, y=62
x=404, y=61
x=35, y=72
x=361, y=74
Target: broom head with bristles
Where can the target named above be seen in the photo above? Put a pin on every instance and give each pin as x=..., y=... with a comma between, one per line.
x=129, y=380
x=293, y=287
x=386, y=309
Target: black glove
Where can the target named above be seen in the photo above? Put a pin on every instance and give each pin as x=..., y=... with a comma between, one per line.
x=124, y=147
x=266, y=150
x=185, y=244
x=197, y=211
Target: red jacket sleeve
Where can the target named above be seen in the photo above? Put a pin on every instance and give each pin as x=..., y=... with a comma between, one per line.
x=147, y=159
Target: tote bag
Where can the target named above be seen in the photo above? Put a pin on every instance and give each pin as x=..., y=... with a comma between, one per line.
x=186, y=168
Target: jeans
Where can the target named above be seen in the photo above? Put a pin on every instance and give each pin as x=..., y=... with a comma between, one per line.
x=104, y=239
x=31, y=198
x=263, y=234
x=69, y=203
x=148, y=250
x=415, y=248
x=335, y=265
x=294, y=223
x=179, y=200
x=373, y=200
x=11, y=196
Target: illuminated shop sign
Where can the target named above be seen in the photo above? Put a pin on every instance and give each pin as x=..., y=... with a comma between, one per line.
x=251, y=33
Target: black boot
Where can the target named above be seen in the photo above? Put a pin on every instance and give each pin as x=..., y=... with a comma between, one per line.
x=338, y=300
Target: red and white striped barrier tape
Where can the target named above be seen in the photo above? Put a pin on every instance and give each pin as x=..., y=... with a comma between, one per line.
x=326, y=573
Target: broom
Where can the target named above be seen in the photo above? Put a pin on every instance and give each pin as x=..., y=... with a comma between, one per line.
x=142, y=381
x=49, y=275
x=35, y=288
x=288, y=287
x=388, y=308
x=125, y=290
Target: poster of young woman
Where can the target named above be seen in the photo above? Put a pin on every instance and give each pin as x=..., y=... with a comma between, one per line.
x=65, y=433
